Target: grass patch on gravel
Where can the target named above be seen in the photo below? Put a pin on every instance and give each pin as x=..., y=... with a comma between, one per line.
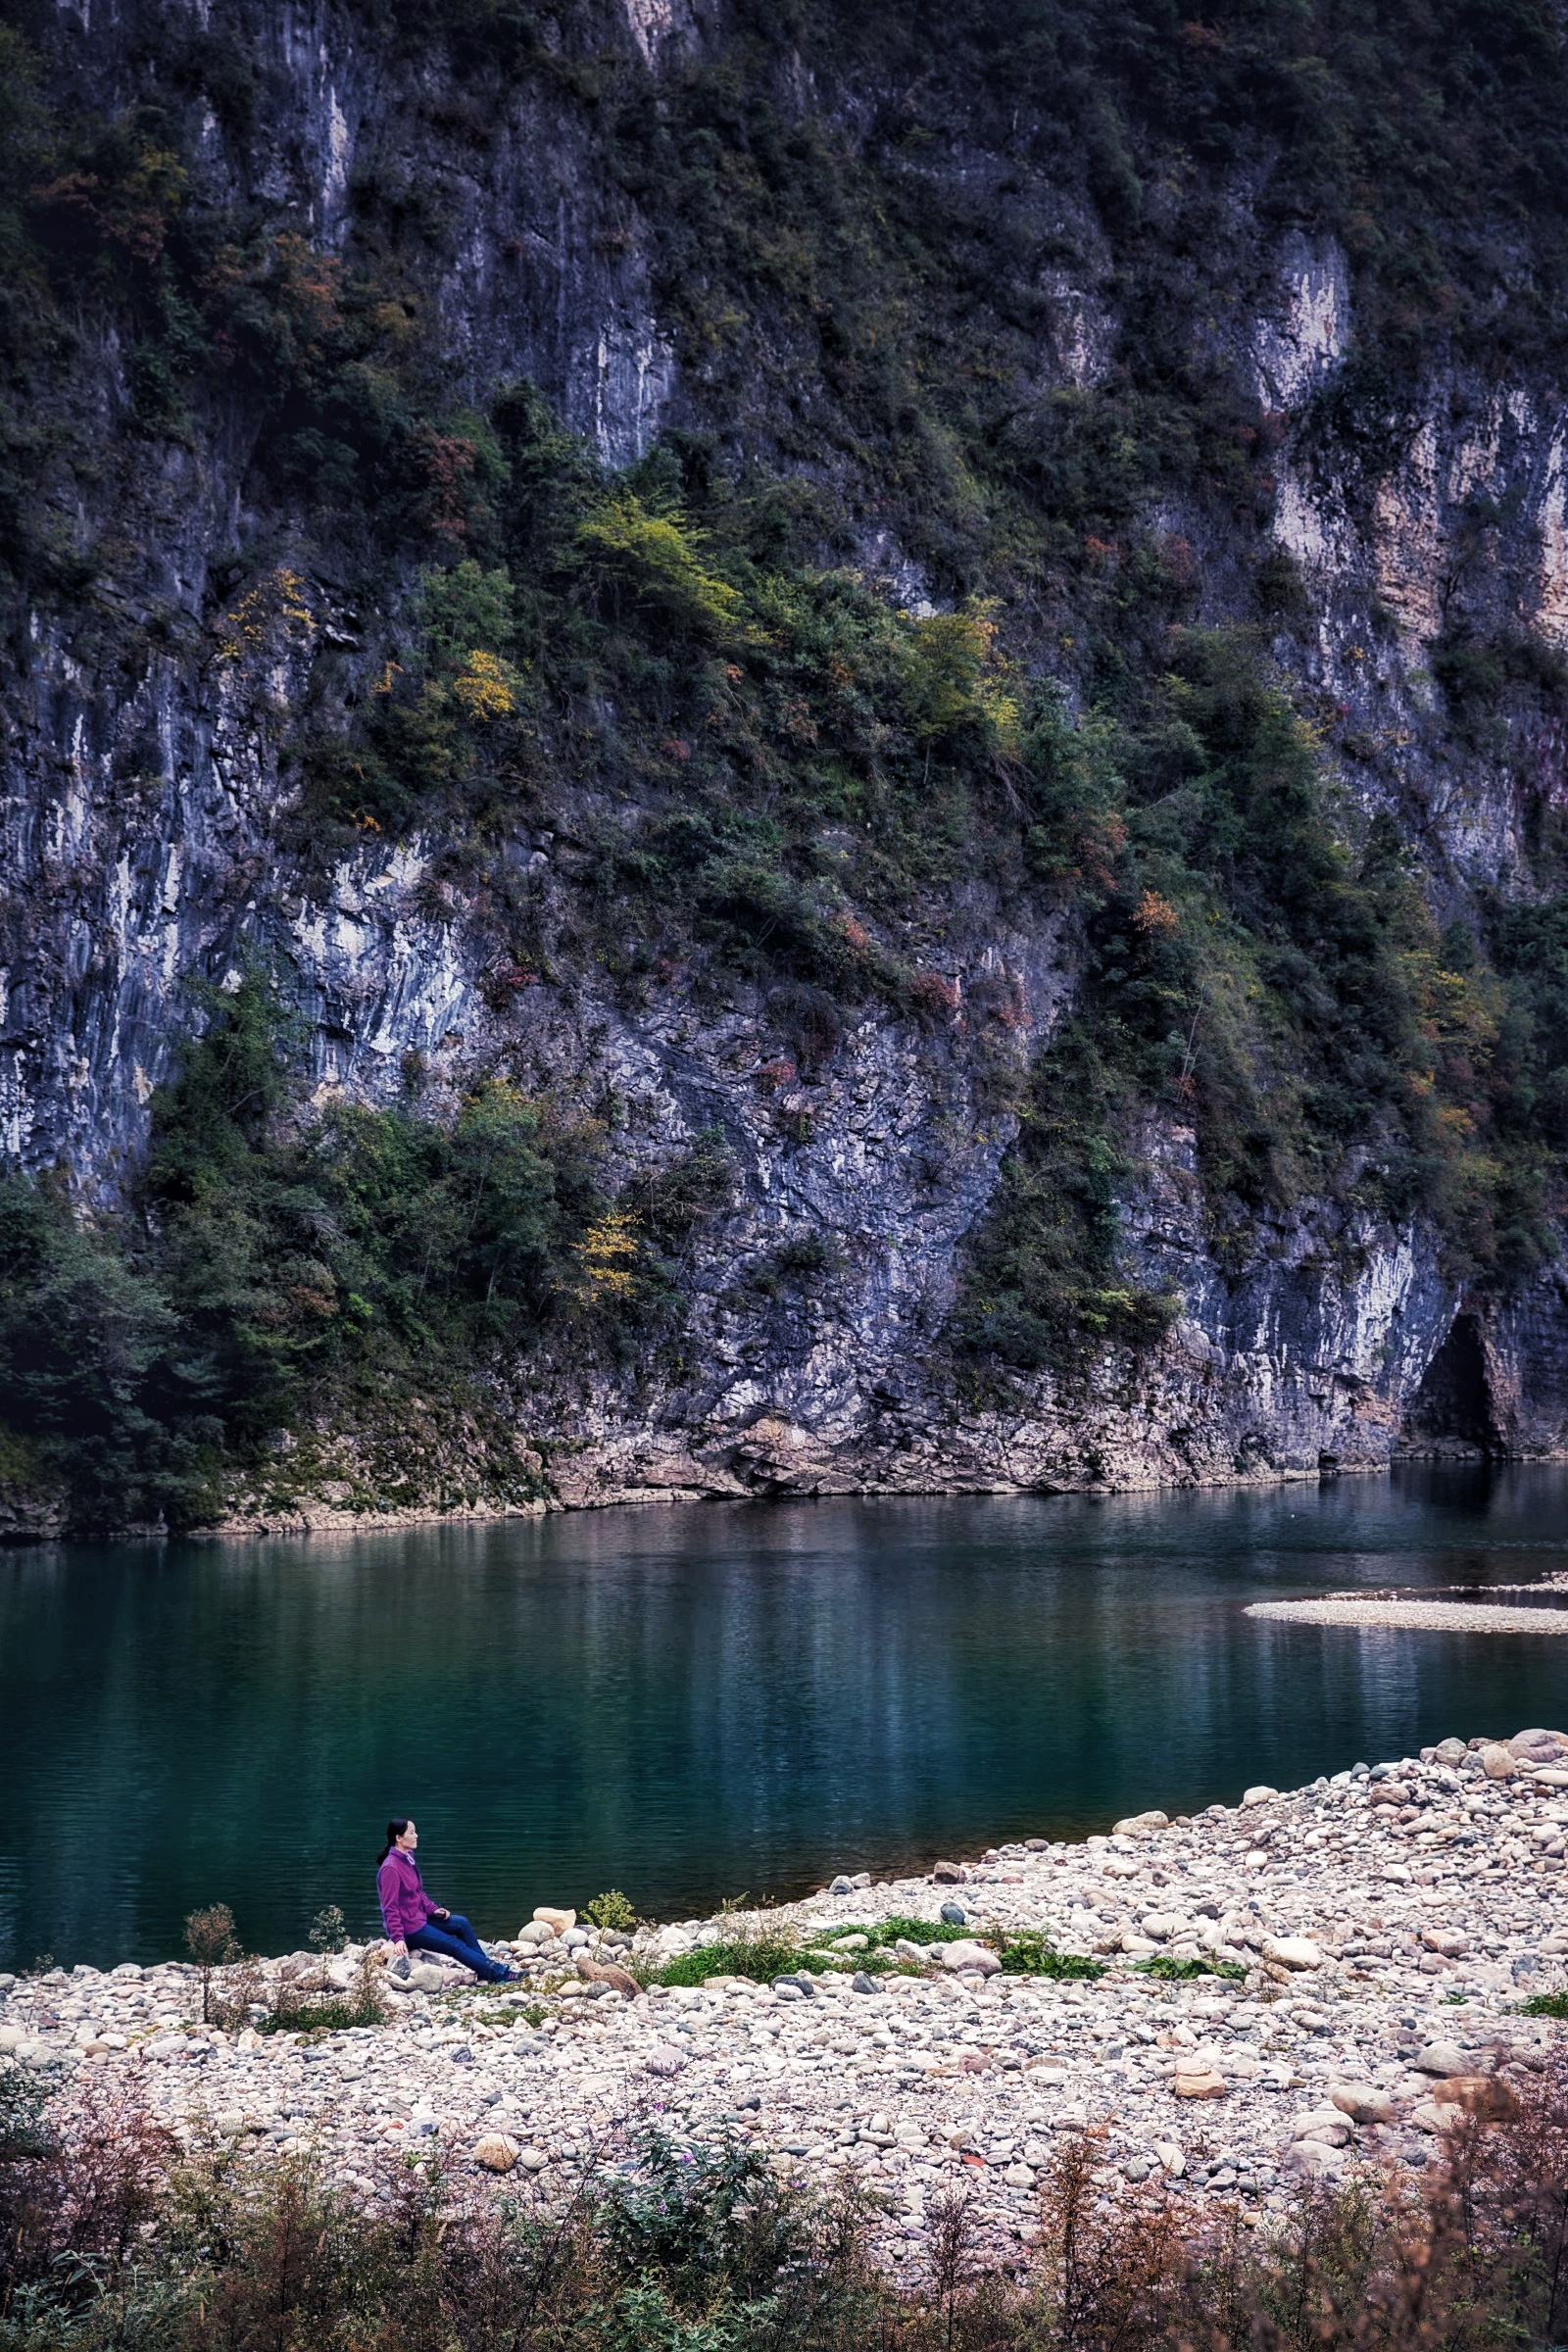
x=880, y=1935
x=766, y=1957
x=1029, y=1955
x=1546, y=2005
x=321, y=2016
x=922, y=1931
x=870, y=1963
x=761, y=1958
x=1171, y=1970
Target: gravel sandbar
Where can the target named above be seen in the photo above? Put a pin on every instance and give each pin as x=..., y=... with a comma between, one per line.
x=1430, y=1616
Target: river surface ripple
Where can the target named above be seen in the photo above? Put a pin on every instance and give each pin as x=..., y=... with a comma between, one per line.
x=703, y=1701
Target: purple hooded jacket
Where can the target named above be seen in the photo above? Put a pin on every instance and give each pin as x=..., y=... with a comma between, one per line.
x=405, y=1905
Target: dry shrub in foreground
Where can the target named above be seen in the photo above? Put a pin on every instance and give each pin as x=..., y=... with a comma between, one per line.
x=76, y=2206
x=1470, y=2256
x=110, y=2238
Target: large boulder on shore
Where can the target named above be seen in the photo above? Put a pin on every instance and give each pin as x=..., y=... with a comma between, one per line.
x=974, y=1958
x=1441, y=2058
x=1293, y=1951
x=1362, y=2102
x=1538, y=1747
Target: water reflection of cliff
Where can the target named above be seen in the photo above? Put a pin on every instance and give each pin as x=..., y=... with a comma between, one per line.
x=695, y=1702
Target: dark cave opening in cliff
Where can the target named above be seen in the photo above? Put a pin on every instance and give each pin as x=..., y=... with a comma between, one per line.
x=1453, y=1405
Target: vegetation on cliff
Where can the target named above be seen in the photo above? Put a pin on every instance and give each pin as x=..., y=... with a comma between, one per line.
x=358, y=1270
x=1081, y=704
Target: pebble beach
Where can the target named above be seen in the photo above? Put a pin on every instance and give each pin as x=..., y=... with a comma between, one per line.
x=1292, y=1985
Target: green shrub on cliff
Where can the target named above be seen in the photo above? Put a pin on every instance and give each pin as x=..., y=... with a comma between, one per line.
x=97, y=1378
x=1253, y=971
x=273, y=1269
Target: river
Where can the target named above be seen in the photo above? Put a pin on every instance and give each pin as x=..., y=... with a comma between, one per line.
x=713, y=1701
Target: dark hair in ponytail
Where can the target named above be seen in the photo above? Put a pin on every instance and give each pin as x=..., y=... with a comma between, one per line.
x=394, y=1831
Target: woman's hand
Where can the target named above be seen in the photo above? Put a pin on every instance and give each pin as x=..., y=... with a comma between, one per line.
x=438, y=1913
x=401, y=1949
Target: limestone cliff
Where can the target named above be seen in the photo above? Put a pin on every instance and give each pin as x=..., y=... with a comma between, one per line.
x=159, y=824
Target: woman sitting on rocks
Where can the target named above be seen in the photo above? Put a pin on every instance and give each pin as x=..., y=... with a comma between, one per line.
x=413, y=1924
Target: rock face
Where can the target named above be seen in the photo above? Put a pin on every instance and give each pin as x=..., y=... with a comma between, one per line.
x=149, y=834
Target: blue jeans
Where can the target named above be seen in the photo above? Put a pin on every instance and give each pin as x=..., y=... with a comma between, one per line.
x=455, y=1939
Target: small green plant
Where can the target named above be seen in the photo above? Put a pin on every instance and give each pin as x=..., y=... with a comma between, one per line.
x=841, y=1963
x=336, y=2015
x=1545, y=2004
x=612, y=1913
x=329, y=1930
x=1170, y=1971
x=318, y=2017
x=917, y=1931
x=1031, y=1955
x=808, y=1254
x=883, y=1933
x=758, y=1957
x=213, y=1944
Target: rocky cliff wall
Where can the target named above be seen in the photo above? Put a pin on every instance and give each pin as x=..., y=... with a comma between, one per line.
x=154, y=827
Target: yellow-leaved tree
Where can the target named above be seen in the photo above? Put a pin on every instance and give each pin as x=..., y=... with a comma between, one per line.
x=654, y=560
x=957, y=680
x=607, y=1255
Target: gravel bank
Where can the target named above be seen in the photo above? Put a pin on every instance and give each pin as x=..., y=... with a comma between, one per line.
x=1382, y=1928
x=1435, y=1616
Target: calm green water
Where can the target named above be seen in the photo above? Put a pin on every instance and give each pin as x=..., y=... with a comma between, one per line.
x=699, y=1703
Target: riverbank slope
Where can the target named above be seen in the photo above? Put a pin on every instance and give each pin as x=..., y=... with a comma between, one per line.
x=1289, y=1986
